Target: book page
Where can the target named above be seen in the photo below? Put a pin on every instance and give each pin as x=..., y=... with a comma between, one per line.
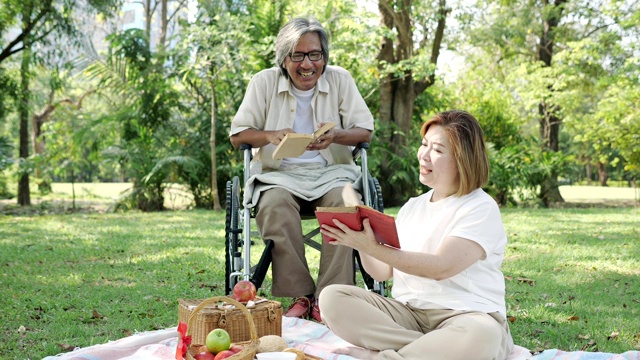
x=337, y=209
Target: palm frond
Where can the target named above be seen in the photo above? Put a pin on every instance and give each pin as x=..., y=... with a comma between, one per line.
x=185, y=164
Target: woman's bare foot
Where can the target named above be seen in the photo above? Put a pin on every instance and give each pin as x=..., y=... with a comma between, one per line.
x=358, y=352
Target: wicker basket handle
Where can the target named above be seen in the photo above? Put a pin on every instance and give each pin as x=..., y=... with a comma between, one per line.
x=214, y=300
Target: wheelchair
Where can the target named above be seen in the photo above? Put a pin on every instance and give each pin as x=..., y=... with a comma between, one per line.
x=239, y=237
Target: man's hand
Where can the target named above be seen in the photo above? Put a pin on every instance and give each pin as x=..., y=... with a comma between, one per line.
x=350, y=137
x=323, y=141
x=276, y=136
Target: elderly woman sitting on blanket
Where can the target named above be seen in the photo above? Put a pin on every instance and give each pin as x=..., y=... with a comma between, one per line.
x=299, y=95
x=448, y=291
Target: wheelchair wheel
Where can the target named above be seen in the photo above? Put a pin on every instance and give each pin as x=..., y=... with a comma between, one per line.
x=376, y=194
x=233, y=232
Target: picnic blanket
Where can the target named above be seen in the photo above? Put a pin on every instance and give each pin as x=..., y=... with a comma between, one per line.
x=313, y=338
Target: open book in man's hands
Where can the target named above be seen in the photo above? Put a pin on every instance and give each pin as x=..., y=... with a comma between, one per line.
x=294, y=144
x=383, y=225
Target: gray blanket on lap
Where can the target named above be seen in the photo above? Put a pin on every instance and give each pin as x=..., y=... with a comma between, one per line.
x=306, y=182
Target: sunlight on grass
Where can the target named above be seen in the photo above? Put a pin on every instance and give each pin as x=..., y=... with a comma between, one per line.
x=571, y=276
x=578, y=273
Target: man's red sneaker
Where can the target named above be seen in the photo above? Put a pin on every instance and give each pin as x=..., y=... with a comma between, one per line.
x=300, y=308
x=315, y=313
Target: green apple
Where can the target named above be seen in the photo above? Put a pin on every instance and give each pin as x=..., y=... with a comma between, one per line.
x=218, y=340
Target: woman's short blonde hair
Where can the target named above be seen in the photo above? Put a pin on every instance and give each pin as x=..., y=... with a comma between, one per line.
x=467, y=141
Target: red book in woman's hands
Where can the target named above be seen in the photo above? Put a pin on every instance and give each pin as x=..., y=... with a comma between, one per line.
x=383, y=225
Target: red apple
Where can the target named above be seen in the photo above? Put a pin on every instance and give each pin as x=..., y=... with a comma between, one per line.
x=244, y=291
x=235, y=348
x=224, y=354
x=204, y=355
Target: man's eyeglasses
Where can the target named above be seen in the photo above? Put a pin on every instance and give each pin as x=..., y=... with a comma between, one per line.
x=299, y=56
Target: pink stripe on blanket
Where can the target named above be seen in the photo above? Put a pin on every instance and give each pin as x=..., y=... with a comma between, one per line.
x=312, y=338
x=316, y=339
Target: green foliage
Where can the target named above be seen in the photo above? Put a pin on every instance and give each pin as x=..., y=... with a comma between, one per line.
x=5, y=152
x=8, y=94
x=511, y=154
x=211, y=61
x=511, y=167
x=592, y=41
x=50, y=26
x=132, y=72
x=404, y=164
x=621, y=117
x=354, y=43
x=133, y=46
x=267, y=17
x=162, y=168
x=156, y=109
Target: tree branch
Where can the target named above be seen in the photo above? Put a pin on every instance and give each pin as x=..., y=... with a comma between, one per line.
x=443, y=11
x=180, y=5
x=27, y=29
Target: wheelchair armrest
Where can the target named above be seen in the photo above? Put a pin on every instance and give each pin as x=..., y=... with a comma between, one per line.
x=361, y=146
x=244, y=147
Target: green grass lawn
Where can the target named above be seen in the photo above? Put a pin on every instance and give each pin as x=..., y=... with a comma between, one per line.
x=573, y=278
x=86, y=278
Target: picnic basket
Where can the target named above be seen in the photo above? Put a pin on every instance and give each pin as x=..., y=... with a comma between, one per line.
x=249, y=348
x=266, y=315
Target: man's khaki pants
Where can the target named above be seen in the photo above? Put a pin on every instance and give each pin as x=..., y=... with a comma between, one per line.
x=278, y=219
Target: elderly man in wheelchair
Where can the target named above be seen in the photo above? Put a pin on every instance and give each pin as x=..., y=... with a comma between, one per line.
x=299, y=95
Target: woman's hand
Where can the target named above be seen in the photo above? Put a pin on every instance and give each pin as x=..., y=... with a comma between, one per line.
x=371, y=252
x=343, y=235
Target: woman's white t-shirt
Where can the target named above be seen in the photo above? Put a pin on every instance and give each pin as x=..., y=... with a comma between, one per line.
x=424, y=225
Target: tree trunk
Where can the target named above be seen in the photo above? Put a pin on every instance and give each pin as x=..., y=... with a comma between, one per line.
x=37, y=140
x=549, y=133
x=602, y=174
x=398, y=93
x=214, y=167
x=148, y=14
x=24, y=195
x=38, y=143
x=549, y=121
x=387, y=86
x=164, y=18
